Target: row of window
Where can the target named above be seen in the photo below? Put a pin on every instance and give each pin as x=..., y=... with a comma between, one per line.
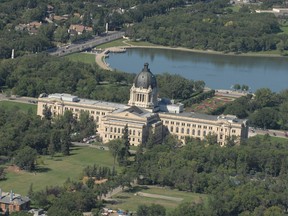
x=78, y=110
x=193, y=131
x=187, y=124
x=118, y=137
x=121, y=130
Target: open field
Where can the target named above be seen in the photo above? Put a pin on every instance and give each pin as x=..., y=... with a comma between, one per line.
x=82, y=57
x=114, y=43
x=130, y=200
x=22, y=106
x=284, y=29
x=54, y=171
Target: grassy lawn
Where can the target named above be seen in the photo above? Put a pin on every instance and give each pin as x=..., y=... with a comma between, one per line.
x=82, y=57
x=120, y=42
x=114, y=43
x=54, y=171
x=284, y=29
x=22, y=106
x=142, y=43
x=131, y=201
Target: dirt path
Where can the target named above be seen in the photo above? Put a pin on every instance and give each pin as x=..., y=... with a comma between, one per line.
x=176, y=199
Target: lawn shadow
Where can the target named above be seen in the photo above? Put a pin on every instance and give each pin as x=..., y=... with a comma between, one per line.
x=122, y=197
x=136, y=189
x=42, y=170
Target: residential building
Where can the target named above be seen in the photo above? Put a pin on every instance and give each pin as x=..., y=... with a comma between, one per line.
x=10, y=202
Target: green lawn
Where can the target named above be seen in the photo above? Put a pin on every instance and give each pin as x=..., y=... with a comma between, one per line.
x=87, y=58
x=131, y=201
x=22, y=106
x=284, y=29
x=114, y=43
x=142, y=43
x=54, y=171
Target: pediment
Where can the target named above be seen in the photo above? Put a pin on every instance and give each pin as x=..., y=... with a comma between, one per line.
x=128, y=115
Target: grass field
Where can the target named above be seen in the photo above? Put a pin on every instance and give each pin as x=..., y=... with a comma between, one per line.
x=22, y=106
x=131, y=201
x=284, y=29
x=54, y=171
x=82, y=57
x=114, y=43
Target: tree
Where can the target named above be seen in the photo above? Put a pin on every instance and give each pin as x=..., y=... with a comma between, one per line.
x=26, y=158
x=143, y=210
x=237, y=87
x=115, y=147
x=47, y=113
x=244, y=87
x=61, y=34
x=211, y=138
x=65, y=141
x=2, y=173
x=126, y=142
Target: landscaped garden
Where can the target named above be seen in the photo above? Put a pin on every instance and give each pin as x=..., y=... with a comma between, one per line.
x=209, y=104
x=169, y=198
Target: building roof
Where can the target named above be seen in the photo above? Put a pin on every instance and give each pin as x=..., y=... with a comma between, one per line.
x=145, y=78
x=81, y=101
x=229, y=118
x=16, y=199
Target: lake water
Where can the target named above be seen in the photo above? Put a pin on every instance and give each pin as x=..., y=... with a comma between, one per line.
x=217, y=71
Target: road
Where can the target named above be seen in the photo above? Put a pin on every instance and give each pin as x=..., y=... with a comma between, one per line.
x=87, y=44
x=274, y=133
x=29, y=100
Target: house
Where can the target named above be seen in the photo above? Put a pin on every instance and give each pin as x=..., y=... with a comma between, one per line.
x=13, y=202
x=76, y=29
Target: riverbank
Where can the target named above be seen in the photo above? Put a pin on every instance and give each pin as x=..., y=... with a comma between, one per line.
x=100, y=58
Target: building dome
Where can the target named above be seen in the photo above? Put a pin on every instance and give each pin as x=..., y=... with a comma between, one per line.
x=145, y=78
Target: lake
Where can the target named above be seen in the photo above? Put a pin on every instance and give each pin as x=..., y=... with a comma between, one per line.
x=217, y=71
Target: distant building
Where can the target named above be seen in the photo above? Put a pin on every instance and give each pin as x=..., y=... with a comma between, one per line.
x=145, y=113
x=13, y=202
x=276, y=11
x=78, y=29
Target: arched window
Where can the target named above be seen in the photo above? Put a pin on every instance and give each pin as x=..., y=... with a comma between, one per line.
x=193, y=132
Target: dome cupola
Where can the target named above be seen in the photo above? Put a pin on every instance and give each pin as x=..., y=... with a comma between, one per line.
x=145, y=78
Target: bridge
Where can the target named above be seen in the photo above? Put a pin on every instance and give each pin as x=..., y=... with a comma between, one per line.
x=87, y=44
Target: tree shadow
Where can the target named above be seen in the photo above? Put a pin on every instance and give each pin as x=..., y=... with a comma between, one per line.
x=122, y=197
x=136, y=189
x=41, y=170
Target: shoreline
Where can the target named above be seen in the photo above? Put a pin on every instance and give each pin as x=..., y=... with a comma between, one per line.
x=100, y=60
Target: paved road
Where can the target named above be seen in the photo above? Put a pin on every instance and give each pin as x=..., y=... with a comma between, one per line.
x=84, y=45
x=274, y=133
x=28, y=100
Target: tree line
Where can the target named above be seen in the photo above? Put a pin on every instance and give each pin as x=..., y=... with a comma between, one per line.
x=212, y=26
x=24, y=136
x=246, y=179
x=33, y=75
x=264, y=109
